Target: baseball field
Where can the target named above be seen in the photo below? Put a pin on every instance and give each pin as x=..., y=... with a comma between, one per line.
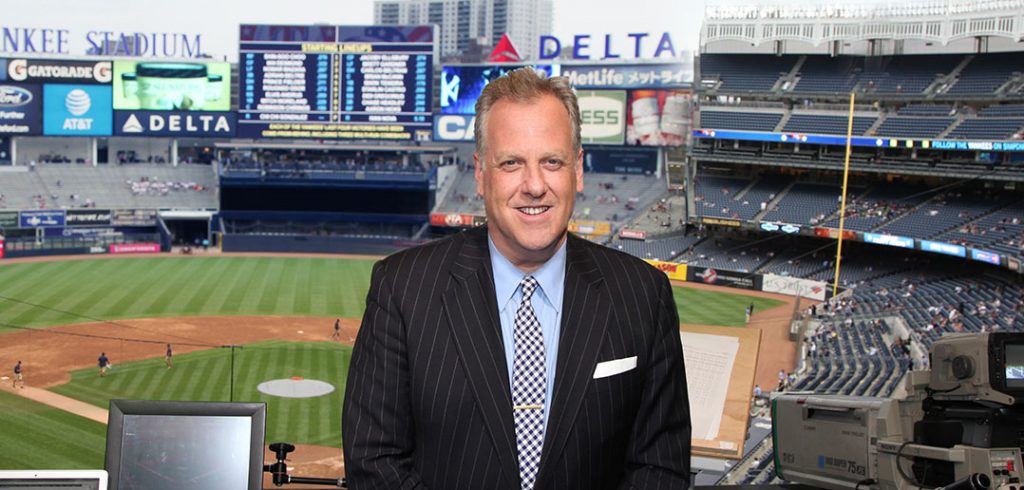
x=277, y=312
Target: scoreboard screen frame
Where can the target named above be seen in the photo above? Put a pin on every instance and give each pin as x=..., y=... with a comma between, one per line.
x=336, y=82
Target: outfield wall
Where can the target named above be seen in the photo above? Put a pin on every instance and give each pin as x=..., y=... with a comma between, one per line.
x=312, y=244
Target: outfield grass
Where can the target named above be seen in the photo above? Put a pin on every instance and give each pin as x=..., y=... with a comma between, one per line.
x=205, y=376
x=169, y=286
x=87, y=290
x=707, y=307
x=35, y=436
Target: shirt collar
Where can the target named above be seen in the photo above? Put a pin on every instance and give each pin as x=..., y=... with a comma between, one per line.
x=550, y=277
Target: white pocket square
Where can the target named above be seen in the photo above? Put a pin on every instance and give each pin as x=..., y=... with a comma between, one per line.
x=617, y=366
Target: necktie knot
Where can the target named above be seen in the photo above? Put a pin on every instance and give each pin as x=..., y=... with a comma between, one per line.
x=529, y=285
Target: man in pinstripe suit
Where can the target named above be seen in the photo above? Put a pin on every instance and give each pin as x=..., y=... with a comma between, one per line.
x=436, y=366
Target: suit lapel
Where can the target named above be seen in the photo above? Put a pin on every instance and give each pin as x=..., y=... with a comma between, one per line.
x=472, y=311
x=586, y=312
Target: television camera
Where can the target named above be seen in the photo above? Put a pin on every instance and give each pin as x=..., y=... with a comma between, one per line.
x=960, y=426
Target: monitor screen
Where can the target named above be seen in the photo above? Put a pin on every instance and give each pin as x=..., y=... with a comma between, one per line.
x=154, y=445
x=53, y=479
x=1014, y=365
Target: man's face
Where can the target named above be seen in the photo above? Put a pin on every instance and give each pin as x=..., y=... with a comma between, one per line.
x=529, y=174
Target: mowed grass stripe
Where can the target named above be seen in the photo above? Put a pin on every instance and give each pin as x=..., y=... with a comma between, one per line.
x=36, y=281
x=133, y=280
x=303, y=278
x=711, y=307
x=171, y=286
x=234, y=282
x=37, y=437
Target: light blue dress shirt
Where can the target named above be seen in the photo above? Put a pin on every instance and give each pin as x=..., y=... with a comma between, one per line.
x=547, y=305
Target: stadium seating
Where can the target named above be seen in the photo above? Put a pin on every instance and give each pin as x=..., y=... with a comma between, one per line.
x=986, y=73
x=746, y=121
x=744, y=73
x=943, y=212
x=715, y=195
x=111, y=187
x=805, y=203
x=826, y=124
x=913, y=127
x=988, y=128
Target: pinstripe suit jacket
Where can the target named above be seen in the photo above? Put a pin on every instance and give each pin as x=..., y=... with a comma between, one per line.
x=428, y=403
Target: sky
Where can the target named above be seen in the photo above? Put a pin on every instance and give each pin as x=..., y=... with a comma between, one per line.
x=217, y=20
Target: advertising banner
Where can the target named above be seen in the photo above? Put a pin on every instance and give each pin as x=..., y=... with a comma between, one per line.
x=793, y=286
x=461, y=85
x=8, y=219
x=454, y=220
x=984, y=256
x=134, y=248
x=82, y=232
x=943, y=248
x=453, y=127
x=633, y=234
x=620, y=159
x=77, y=110
x=890, y=240
x=674, y=271
x=57, y=71
x=780, y=227
x=133, y=217
x=87, y=217
x=657, y=76
x=1, y=247
x=603, y=114
x=590, y=227
x=658, y=117
x=20, y=109
x=717, y=277
x=41, y=219
x=834, y=233
x=1013, y=264
x=721, y=222
x=170, y=86
x=175, y=124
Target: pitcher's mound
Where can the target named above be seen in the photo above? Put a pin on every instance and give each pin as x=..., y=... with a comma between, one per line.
x=295, y=388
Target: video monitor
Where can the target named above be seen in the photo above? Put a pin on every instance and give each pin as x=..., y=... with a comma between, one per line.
x=174, y=445
x=1014, y=367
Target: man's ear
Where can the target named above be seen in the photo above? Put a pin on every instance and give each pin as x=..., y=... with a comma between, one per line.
x=478, y=173
x=579, y=171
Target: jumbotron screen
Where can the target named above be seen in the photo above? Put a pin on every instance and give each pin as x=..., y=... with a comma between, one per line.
x=335, y=82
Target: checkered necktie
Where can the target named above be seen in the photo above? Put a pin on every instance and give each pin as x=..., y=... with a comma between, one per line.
x=528, y=386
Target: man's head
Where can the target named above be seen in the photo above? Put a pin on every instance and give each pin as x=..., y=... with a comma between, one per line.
x=529, y=163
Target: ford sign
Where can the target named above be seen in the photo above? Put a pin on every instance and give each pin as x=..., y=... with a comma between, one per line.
x=11, y=96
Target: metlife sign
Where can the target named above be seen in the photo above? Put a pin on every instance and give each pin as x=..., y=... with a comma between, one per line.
x=603, y=114
x=175, y=124
x=20, y=109
x=77, y=110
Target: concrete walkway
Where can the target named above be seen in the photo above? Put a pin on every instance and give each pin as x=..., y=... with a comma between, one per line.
x=62, y=402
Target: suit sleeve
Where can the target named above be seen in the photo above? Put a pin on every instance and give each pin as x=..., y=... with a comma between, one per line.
x=658, y=456
x=377, y=422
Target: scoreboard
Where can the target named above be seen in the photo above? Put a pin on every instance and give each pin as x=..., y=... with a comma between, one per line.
x=335, y=82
